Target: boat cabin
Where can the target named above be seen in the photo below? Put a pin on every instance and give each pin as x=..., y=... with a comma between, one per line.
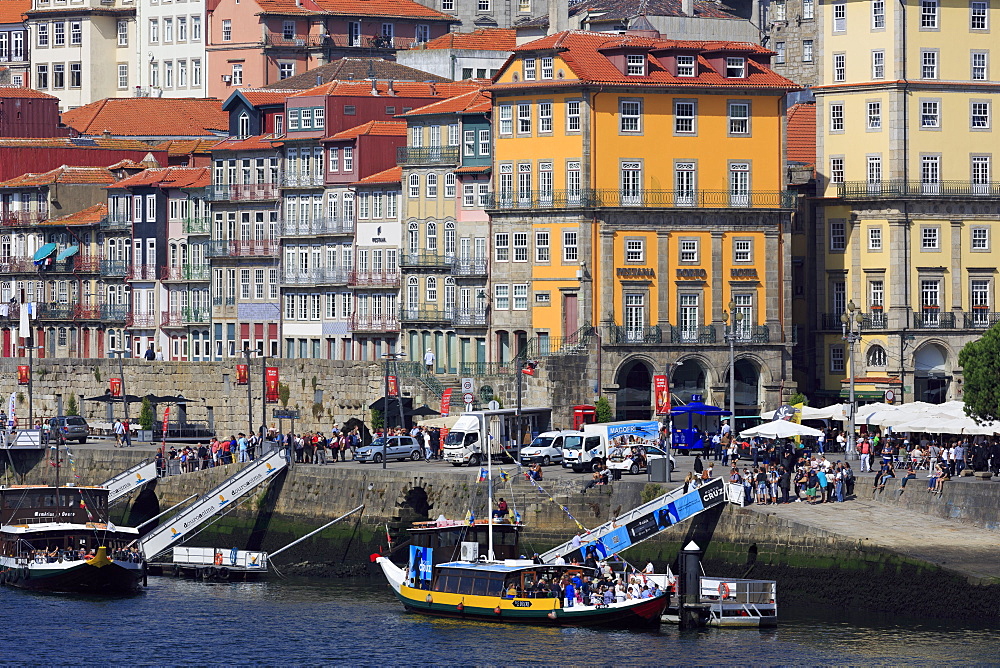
x=446, y=538
x=39, y=504
x=516, y=578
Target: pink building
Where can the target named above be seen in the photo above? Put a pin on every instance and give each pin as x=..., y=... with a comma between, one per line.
x=252, y=43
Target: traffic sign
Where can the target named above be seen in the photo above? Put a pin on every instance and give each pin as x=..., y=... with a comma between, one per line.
x=468, y=385
x=286, y=414
x=494, y=405
x=890, y=396
x=468, y=397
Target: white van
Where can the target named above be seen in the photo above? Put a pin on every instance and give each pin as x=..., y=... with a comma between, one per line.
x=465, y=442
x=597, y=439
x=547, y=448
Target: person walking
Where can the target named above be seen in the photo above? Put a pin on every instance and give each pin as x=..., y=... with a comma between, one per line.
x=865, y=456
x=429, y=358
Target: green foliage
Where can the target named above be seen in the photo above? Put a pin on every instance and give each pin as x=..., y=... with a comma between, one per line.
x=146, y=415
x=71, y=406
x=283, y=394
x=303, y=383
x=980, y=361
x=317, y=410
x=603, y=410
x=798, y=398
x=376, y=419
x=20, y=397
x=650, y=492
x=314, y=383
x=97, y=374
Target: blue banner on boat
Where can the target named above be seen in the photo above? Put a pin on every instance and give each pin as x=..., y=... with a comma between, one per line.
x=421, y=563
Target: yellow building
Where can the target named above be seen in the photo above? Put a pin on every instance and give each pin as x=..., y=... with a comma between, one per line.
x=904, y=128
x=637, y=194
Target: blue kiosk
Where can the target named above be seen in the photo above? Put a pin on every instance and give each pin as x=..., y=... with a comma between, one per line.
x=690, y=438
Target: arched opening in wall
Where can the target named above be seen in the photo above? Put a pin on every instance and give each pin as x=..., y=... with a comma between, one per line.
x=688, y=379
x=635, y=396
x=747, y=380
x=930, y=374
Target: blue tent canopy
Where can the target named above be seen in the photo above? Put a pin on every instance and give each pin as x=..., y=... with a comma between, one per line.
x=699, y=408
x=690, y=438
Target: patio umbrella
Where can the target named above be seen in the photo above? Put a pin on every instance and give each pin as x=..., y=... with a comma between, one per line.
x=780, y=429
x=423, y=410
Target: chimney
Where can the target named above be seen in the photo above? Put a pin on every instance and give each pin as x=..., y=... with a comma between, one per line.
x=558, y=16
x=687, y=6
x=391, y=90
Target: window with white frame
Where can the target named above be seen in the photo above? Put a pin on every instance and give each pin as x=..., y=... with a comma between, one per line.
x=839, y=16
x=573, y=116
x=432, y=290
x=878, y=64
x=348, y=158
x=930, y=114
x=779, y=53
x=736, y=67
x=743, y=250
x=545, y=182
x=414, y=185
x=981, y=174
x=876, y=295
x=630, y=116
x=469, y=143
x=928, y=64
x=520, y=247
x=838, y=235
x=506, y=119
x=837, y=359
x=689, y=250
x=930, y=237
x=520, y=302
x=227, y=30
x=839, y=67
x=837, y=117
x=547, y=68
x=542, y=249
x=528, y=69
x=635, y=251
x=468, y=195
x=684, y=115
x=122, y=75
x=980, y=115
x=929, y=14
x=980, y=238
x=484, y=142
x=875, y=115
x=979, y=61
x=432, y=185
x=570, y=249
x=836, y=170
x=739, y=118
x=544, y=117
x=501, y=297
x=685, y=66
x=807, y=51
x=501, y=247
x=978, y=16
x=979, y=299
x=635, y=65
x=524, y=118
x=449, y=185
x=875, y=238
x=877, y=357
x=878, y=14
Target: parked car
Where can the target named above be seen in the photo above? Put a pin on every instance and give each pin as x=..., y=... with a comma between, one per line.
x=396, y=447
x=547, y=448
x=76, y=428
x=621, y=459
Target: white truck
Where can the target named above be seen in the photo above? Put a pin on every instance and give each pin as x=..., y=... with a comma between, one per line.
x=464, y=442
x=598, y=439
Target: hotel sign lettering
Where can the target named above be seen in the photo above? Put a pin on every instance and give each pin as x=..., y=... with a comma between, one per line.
x=636, y=272
x=692, y=274
x=743, y=272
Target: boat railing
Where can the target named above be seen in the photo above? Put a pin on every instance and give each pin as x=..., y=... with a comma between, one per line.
x=737, y=591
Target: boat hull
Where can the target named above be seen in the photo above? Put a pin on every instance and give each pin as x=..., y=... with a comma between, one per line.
x=76, y=577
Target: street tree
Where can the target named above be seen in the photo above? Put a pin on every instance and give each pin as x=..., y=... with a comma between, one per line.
x=980, y=362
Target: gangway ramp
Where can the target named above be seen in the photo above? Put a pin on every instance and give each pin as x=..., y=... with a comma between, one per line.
x=644, y=522
x=130, y=480
x=218, y=500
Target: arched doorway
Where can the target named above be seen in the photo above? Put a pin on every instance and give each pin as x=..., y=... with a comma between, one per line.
x=747, y=379
x=635, y=397
x=688, y=378
x=930, y=374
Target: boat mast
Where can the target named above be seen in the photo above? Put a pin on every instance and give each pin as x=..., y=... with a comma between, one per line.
x=489, y=482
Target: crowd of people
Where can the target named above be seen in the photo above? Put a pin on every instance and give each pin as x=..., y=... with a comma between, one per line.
x=573, y=588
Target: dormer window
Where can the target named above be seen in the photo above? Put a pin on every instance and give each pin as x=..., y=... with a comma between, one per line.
x=736, y=68
x=685, y=66
x=635, y=65
x=547, y=68
x=529, y=69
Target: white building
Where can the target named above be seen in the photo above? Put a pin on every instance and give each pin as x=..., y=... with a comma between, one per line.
x=173, y=48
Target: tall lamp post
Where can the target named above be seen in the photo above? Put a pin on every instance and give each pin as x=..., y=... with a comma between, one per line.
x=668, y=421
x=390, y=357
x=250, y=430
x=120, y=352
x=731, y=336
x=850, y=323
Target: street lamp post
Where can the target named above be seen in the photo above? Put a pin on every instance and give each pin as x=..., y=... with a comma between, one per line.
x=731, y=336
x=250, y=429
x=850, y=323
x=120, y=352
x=390, y=357
x=668, y=421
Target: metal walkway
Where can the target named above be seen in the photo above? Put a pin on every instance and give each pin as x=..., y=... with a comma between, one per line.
x=130, y=480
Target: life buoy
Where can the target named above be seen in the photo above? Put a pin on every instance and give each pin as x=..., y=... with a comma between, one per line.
x=218, y=558
x=223, y=573
x=723, y=590
x=213, y=571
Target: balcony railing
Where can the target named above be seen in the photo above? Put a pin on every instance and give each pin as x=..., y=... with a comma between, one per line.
x=18, y=265
x=617, y=335
x=980, y=319
x=170, y=319
x=140, y=320
x=141, y=272
x=118, y=222
x=869, y=321
x=467, y=267
x=371, y=323
x=933, y=318
x=242, y=192
x=690, y=199
x=19, y=218
x=302, y=181
x=368, y=42
x=242, y=248
x=425, y=261
x=699, y=334
x=114, y=268
x=54, y=311
x=487, y=369
x=863, y=190
x=188, y=272
x=184, y=316
x=87, y=263
x=320, y=276
x=427, y=155
x=752, y=334
x=426, y=315
x=469, y=317
x=373, y=279
x=300, y=228
x=198, y=225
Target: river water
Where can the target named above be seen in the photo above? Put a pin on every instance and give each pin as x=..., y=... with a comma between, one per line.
x=358, y=622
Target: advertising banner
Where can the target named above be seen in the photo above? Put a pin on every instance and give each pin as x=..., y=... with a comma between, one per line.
x=661, y=391
x=421, y=563
x=116, y=386
x=122, y=484
x=242, y=374
x=446, y=402
x=271, y=385
x=393, y=386
x=23, y=374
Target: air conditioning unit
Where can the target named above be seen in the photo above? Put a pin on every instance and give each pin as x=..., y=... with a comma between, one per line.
x=226, y=78
x=470, y=551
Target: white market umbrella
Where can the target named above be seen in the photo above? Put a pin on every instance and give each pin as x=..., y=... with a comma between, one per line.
x=780, y=429
x=810, y=413
x=446, y=422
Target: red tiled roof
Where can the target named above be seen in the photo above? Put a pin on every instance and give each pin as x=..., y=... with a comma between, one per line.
x=168, y=177
x=149, y=117
x=132, y=164
x=624, y=11
x=584, y=51
x=76, y=142
x=260, y=98
x=256, y=143
x=12, y=11
x=391, y=175
x=488, y=39
x=400, y=89
x=473, y=169
x=89, y=216
x=353, y=69
x=381, y=128
x=801, y=133
x=65, y=174
x=15, y=92
x=407, y=9
x=186, y=146
x=475, y=101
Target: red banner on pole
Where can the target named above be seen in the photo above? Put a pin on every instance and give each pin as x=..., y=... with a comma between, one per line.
x=271, y=385
x=166, y=421
x=23, y=375
x=446, y=402
x=242, y=374
x=661, y=391
x=116, y=386
x=393, y=386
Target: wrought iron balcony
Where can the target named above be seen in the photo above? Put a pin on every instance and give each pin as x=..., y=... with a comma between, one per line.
x=195, y=315
x=371, y=323
x=188, y=272
x=120, y=222
x=896, y=188
x=469, y=317
x=427, y=155
x=54, y=311
x=90, y=264
x=198, y=225
x=487, y=369
x=618, y=335
x=319, y=276
x=141, y=272
x=170, y=319
x=302, y=180
x=242, y=248
x=114, y=312
x=316, y=226
x=252, y=192
x=471, y=268
x=370, y=279
x=425, y=261
x=114, y=268
x=140, y=320
x=426, y=315
x=699, y=334
x=869, y=321
x=933, y=318
x=980, y=319
x=23, y=218
x=657, y=199
x=751, y=334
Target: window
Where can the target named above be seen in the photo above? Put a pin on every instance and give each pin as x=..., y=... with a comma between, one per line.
x=524, y=181
x=978, y=14
x=501, y=247
x=182, y=29
x=877, y=356
x=195, y=28
x=874, y=173
x=808, y=9
x=432, y=185
x=930, y=114
x=735, y=67
x=237, y=74
x=447, y=5
x=570, y=251
x=452, y=134
x=684, y=183
x=501, y=297
x=524, y=118
x=75, y=33
x=573, y=181
x=980, y=174
x=520, y=296
x=874, y=115
x=122, y=33
x=348, y=158
x=778, y=12
x=168, y=74
x=43, y=34
x=779, y=48
x=930, y=237
x=423, y=33
x=286, y=70
x=837, y=359
x=547, y=68
x=930, y=174
x=59, y=33
x=807, y=51
x=122, y=75
x=545, y=117
x=227, y=30
x=876, y=295
x=469, y=143
x=979, y=66
x=684, y=114
x=980, y=238
x=743, y=250
x=414, y=185
x=685, y=66
x=930, y=303
x=635, y=65
x=449, y=185
x=42, y=76
x=837, y=117
x=506, y=119
x=182, y=74
x=168, y=30
x=483, y=5
x=545, y=182
x=631, y=183
x=928, y=14
x=520, y=247
x=630, y=116
x=838, y=235
x=839, y=67
x=928, y=64
x=980, y=115
x=573, y=116
x=689, y=250
x=874, y=238
x=529, y=69
x=468, y=195
x=878, y=14
x=739, y=118
x=542, y=247
x=196, y=81
x=635, y=251
x=484, y=142
x=432, y=289
x=839, y=16
x=76, y=76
